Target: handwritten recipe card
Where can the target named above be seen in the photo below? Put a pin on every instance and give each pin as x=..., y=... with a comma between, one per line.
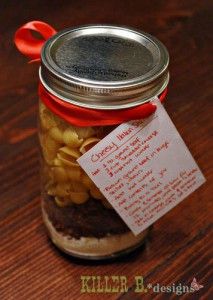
x=143, y=168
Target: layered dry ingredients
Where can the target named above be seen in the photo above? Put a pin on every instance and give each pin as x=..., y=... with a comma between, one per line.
x=73, y=203
x=99, y=67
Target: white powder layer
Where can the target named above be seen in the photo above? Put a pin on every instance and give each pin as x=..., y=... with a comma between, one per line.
x=91, y=246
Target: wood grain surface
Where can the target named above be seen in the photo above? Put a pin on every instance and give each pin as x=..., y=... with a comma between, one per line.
x=179, y=247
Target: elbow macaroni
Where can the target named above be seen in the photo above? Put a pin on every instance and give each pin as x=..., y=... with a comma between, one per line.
x=61, y=146
x=88, y=144
x=71, y=138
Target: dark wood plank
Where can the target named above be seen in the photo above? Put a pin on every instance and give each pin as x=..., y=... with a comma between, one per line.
x=179, y=246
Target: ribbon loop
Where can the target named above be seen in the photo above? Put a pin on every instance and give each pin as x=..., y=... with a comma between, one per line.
x=29, y=45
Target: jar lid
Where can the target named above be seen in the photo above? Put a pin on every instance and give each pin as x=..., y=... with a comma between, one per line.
x=104, y=67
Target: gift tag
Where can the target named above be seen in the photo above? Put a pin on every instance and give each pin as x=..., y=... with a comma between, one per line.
x=143, y=168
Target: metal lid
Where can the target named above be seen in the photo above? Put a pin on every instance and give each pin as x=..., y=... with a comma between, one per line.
x=104, y=67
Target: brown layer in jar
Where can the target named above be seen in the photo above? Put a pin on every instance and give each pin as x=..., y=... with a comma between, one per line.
x=90, y=219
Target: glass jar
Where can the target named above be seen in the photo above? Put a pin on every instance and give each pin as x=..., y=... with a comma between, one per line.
x=93, y=78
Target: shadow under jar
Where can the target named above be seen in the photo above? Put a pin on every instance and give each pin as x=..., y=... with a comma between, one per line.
x=101, y=69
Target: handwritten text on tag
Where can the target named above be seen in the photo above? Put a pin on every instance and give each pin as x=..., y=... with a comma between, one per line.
x=143, y=168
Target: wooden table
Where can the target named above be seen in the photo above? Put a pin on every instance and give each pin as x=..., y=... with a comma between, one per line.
x=179, y=247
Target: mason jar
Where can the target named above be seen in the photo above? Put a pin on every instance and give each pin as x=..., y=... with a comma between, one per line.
x=92, y=79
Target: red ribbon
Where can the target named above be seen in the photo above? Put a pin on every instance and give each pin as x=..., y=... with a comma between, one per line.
x=29, y=45
x=81, y=116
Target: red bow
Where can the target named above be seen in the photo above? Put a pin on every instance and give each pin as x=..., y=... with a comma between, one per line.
x=81, y=116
